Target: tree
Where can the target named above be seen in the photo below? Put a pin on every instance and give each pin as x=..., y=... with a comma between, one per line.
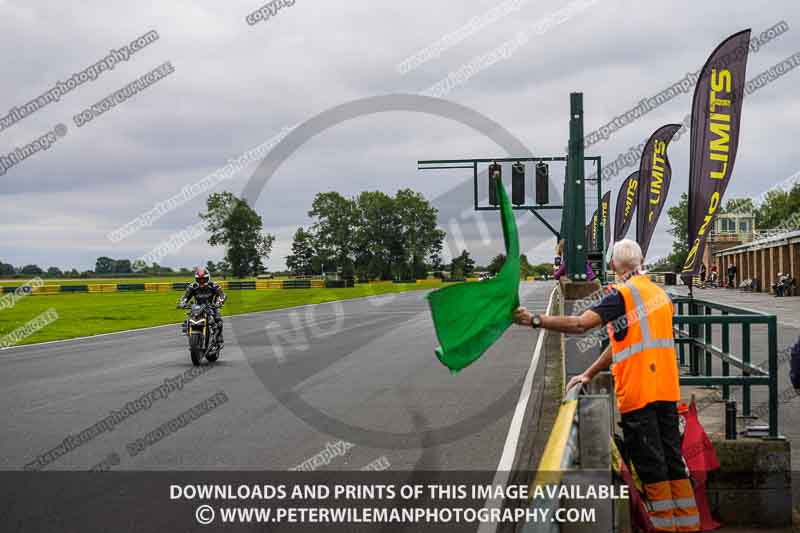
x=679, y=221
x=462, y=266
x=224, y=268
x=496, y=264
x=7, y=269
x=435, y=258
x=417, y=231
x=739, y=205
x=104, y=265
x=234, y=224
x=54, y=272
x=122, y=266
x=779, y=209
x=333, y=230
x=468, y=262
x=542, y=269
x=662, y=264
x=525, y=268
x=31, y=270
x=211, y=267
x=376, y=242
x=302, y=256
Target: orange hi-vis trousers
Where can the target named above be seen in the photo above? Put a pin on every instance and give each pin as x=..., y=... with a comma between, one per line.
x=653, y=442
x=671, y=505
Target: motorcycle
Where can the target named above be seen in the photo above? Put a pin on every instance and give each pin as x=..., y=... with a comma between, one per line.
x=201, y=329
x=784, y=286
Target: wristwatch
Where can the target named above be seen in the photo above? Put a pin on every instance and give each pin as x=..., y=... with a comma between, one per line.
x=536, y=321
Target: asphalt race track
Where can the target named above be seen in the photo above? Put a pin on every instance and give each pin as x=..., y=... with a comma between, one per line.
x=342, y=386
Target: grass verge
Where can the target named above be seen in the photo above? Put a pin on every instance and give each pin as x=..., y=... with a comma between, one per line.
x=86, y=314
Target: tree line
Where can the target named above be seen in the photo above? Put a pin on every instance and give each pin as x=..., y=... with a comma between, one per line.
x=104, y=267
x=526, y=269
x=371, y=236
x=778, y=209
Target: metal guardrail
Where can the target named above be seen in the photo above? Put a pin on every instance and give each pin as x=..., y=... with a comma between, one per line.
x=696, y=330
x=578, y=451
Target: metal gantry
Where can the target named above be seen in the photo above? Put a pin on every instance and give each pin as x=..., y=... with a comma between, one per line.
x=574, y=202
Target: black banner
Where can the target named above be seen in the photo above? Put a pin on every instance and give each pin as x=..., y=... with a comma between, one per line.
x=626, y=206
x=604, y=205
x=716, y=114
x=655, y=174
x=593, y=227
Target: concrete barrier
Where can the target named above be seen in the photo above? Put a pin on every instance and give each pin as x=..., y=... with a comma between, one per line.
x=753, y=485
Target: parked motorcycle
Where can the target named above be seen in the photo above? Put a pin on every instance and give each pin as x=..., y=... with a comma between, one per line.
x=784, y=286
x=201, y=329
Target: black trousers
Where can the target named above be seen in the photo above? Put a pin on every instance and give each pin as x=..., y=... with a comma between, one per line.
x=653, y=442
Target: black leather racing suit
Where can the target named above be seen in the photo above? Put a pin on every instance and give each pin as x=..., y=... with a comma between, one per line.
x=210, y=293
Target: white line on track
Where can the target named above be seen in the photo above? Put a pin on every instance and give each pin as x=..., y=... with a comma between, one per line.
x=515, y=428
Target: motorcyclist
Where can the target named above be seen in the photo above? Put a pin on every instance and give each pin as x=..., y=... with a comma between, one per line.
x=204, y=291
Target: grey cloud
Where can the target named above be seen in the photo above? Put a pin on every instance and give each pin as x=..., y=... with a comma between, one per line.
x=237, y=85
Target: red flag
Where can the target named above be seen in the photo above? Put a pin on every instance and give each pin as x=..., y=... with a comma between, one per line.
x=700, y=457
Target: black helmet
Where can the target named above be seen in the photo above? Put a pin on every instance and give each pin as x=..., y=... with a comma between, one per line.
x=201, y=276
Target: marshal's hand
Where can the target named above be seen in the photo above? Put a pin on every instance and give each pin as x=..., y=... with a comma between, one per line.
x=522, y=317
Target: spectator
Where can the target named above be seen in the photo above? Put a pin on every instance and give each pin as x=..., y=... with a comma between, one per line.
x=731, y=275
x=703, y=275
x=561, y=263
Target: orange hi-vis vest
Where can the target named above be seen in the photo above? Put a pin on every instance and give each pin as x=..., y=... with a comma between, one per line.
x=644, y=364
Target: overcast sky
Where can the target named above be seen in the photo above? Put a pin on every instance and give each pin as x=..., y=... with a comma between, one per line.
x=236, y=85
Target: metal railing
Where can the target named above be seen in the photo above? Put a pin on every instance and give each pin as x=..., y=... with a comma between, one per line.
x=694, y=333
x=578, y=452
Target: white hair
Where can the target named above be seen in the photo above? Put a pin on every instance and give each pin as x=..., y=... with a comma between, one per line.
x=627, y=255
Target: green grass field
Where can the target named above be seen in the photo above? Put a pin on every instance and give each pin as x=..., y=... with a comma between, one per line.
x=86, y=314
x=90, y=281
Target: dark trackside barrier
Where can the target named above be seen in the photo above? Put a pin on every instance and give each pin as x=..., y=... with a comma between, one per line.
x=126, y=287
x=339, y=283
x=74, y=288
x=180, y=286
x=297, y=284
x=242, y=285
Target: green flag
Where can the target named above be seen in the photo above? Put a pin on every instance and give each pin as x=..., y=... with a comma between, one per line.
x=470, y=317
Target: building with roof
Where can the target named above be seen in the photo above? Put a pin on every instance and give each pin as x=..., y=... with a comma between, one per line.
x=762, y=258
